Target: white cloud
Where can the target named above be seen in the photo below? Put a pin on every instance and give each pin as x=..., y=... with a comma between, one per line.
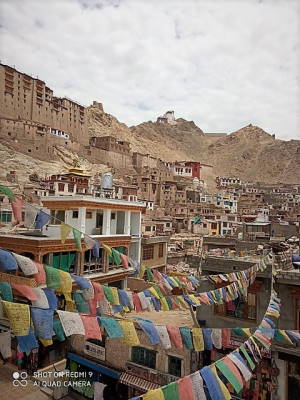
x=223, y=63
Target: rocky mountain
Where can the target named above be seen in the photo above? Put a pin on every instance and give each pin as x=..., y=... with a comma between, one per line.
x=249, y=153
x=253, y=155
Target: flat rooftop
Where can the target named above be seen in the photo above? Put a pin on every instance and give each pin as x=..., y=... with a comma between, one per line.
x=91, y=199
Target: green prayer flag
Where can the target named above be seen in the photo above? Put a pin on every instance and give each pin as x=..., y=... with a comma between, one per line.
x=248, y=358
x=82, y=305
x=238, y=331
x=116, y=256
x=158, y=290
x=58, y=329
x=7, y=191
x=186, y=337
x=6, y=291
x=229, y=375
x=177, y=281
x=171, y=391
x=108, y=293
x=77, y=238
x=150, y=275
x=218, y=296
x=52, y=277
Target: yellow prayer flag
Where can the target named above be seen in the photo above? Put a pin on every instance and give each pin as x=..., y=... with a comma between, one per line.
x=65, y=230
x=19, y=317
x=70, y=305
x=230, y=290
x=285, y=336
x=164, y=304
x=153, y=292
x=225, y=391
x=65, y=281
x=106, y=248
x=115, y=294
x=182, y=302
x=255, y=345
x=156, y=394
x=246, y=331
x=46, y=342
x=198, y=339
x=174, y=281
x=67, y=296
x=194, y=298
x=142, y=271
x=130, y=335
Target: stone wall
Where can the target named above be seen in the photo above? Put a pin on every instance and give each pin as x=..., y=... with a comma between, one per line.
x=112, y=159
x=28, y=138
x=144, y=160
x=208, y=175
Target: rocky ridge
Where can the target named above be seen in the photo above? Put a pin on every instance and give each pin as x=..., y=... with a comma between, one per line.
x=250, y=153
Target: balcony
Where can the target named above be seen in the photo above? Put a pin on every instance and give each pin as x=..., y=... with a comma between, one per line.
x=20, y=280
x=151, y=375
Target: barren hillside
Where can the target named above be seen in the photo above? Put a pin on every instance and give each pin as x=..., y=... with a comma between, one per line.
x=249, y=153
x=25, y=165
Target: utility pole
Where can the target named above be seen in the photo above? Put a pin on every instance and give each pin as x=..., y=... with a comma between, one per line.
x=200, y=249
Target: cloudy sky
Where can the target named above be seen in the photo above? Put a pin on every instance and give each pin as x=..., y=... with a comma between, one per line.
x=222, y=63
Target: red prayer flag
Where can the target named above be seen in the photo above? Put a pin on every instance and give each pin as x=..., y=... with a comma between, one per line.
x=226, y=334
x=98, y=291
x=163, y=289
x=137, y=303
x=25, y=291
x=40, y=277
x=124, y=259
x=175, y=305
x=17, y=206
x=175, y=336
x=93, y=306
x=91, y=327
x=231, y=365
x=185, y=389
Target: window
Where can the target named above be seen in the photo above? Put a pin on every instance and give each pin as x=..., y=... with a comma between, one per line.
x=89, y=215
x=75, y=214
x=65, y=261
x=148, y=251
x=91, y=263
x=174, y=366
x=5, y=216
x=143, y=356
x=113, y=216
x=148, y=228
x=161, y=250
x=57, y=216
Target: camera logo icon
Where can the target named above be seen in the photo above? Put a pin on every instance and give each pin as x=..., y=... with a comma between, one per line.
x=19, y=378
